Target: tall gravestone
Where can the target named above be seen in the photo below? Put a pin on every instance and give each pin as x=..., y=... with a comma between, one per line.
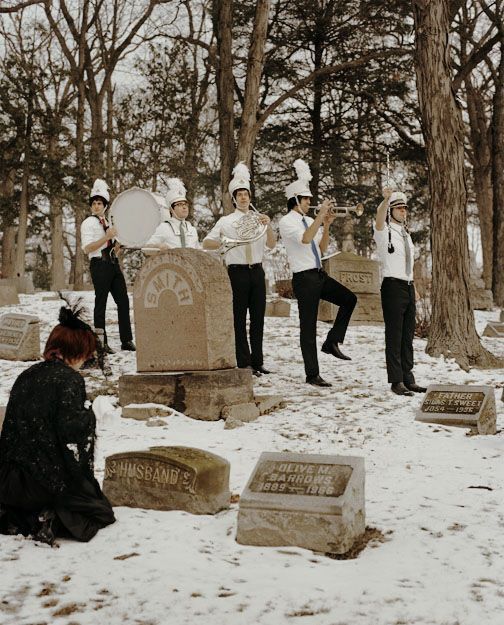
x=19, y=337
x=185, y=337
x=8, y=294
x=305, y=500
x=360, y=275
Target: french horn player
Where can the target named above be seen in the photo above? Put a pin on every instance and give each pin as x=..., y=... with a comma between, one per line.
x=243, y=227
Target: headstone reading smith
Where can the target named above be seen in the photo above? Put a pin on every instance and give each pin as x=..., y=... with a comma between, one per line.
x=19, y=337
x=168, y=478
x=462, y=406
x=304, y=500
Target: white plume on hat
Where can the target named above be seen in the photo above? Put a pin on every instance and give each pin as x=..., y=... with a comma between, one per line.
x=240, y=179
x=176, y=191
x=100, y=188
x=397, y=198
x=301, y=186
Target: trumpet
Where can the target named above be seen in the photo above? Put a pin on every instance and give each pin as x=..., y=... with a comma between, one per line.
x=342, y=211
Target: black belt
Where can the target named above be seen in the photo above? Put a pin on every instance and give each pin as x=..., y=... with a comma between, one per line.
x=240, y=266
x=296, y=273
x=407, y=282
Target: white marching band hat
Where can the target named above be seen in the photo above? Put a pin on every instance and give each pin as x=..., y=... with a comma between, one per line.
x=240, y=179
x=176, y=191
x=397, y=198
x=100, y=189
x=301, y=186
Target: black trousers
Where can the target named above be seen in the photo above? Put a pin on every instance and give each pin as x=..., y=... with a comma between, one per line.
x=108, y=278
x=399, y=312
x=309, y=288
x=249, y=294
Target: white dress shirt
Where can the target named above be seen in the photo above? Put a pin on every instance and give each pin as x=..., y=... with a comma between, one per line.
x=394, y=264
x=168, y=233
x=300, y=255
x=226, y=227
x=91, y=231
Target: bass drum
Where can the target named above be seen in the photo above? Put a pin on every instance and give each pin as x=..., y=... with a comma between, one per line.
x=135, y=214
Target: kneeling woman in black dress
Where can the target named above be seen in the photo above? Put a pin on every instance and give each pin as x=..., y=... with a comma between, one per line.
x=47, y=484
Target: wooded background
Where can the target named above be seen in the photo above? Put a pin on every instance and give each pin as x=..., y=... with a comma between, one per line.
x=139, y=91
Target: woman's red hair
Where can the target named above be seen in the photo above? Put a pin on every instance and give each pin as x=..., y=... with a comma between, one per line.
x=70, y=344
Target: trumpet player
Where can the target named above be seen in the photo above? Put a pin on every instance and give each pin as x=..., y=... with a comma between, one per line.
x=305, y=240
x=246, y=274
x=175, y=230
x=398, y=292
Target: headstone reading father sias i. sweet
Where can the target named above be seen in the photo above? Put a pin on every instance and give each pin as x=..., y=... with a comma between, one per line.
x=168, y=478
x=461, y=406
x=305, y=500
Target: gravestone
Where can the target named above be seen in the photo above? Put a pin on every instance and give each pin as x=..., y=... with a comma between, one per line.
x=8, y=295
x=198, y=394
x=168, y=478
x=461, y=406
x=22, y=284
x=501, y=318
x=304, y=500
x=360, y=275
x=2, y=416
x=481, y=298
x=183, y=313
x=495, y=329
x=19, y=337
x=277, y=308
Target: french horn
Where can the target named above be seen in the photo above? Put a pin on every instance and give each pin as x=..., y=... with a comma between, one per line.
x=249, y=229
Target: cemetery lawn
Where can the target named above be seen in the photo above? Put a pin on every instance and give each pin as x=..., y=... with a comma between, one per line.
x=434, y=506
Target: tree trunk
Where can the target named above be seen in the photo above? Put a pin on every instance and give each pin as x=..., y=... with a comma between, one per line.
x=57, y=257
x=109, y=168
x=223, y=15
x=498, y=185
x=9, y=252
x=316, y=118
x=255, y=64
x=24, y=200
x=452, y=331
x=482, y=174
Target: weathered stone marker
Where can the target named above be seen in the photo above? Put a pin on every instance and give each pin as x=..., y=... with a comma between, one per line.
x=501, y=318
x=304, y=500
x=183, y=313
x=8, y=295
x=277, y=308
x=494, y=329
x=462, y=406
x=19, y=337
x=360, y=275
x=168, y=478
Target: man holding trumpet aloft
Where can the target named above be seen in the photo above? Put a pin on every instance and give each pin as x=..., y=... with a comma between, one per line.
x=305, y=241
x=398, y=293
x=244, y=265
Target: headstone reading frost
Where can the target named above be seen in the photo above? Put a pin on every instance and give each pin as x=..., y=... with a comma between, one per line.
x=19, y=337
x=168, y=478
x=304, y=500
x=461, y=406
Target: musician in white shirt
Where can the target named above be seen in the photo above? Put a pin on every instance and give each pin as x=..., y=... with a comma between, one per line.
x=97, y=240
x=246, y=274
x=175, y=231
x=398, y=293
x=305, y=241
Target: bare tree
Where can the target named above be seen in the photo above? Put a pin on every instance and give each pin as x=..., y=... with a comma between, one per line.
x=452, y=330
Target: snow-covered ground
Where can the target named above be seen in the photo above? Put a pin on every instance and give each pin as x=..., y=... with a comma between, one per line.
x=442, y=560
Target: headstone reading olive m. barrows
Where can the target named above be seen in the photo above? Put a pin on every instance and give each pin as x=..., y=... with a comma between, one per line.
x=305, y=500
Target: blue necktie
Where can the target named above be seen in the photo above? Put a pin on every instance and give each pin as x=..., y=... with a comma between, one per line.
x=313, y=247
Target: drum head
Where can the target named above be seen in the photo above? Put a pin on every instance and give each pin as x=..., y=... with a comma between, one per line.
x=136, y=214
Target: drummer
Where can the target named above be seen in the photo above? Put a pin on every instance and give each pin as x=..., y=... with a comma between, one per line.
x=97, y=240
x=175, y=230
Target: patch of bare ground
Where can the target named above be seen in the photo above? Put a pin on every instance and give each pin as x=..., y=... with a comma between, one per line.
x=371, y=535
x=306, y=611
x=68, y=609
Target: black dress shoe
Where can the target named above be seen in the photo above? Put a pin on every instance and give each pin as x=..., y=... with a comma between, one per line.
x=415, y=388
x=129, y=346
x=256, y=372
x=400, y=389
x=316, y=380
x=261, y=369
x=334, y=350
x=108, y=350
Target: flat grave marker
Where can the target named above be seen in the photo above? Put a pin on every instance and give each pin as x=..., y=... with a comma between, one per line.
x=305, y=500
x=460, y=406
x=19, y=337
